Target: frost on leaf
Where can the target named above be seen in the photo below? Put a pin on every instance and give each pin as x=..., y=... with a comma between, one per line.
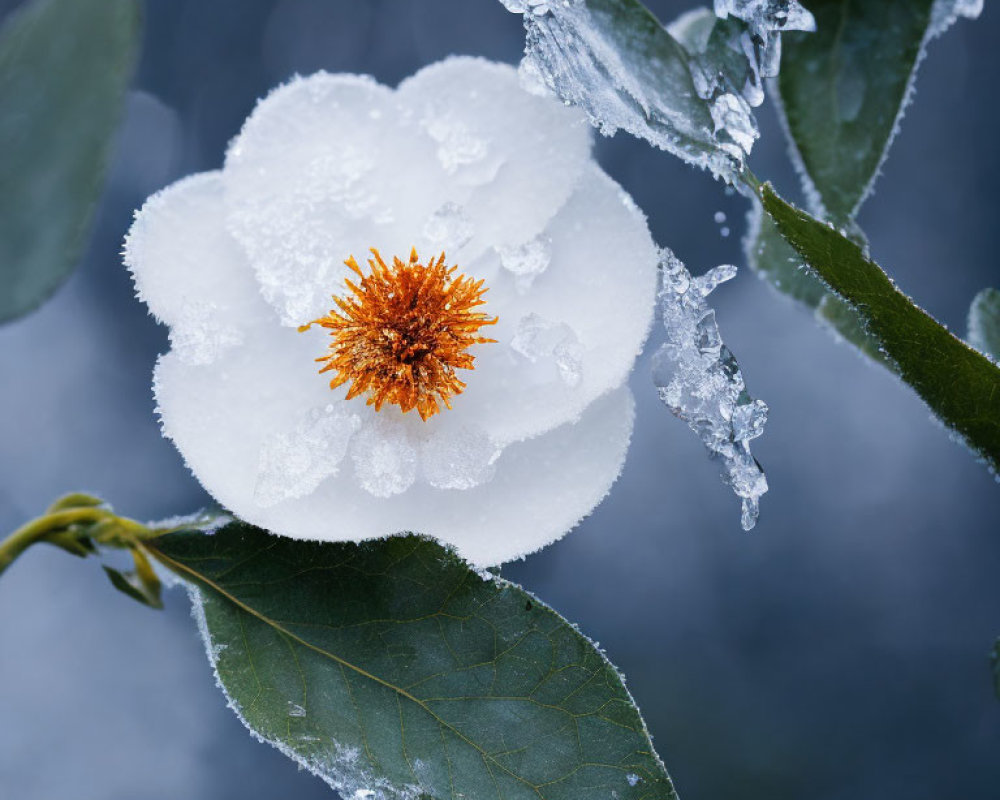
x=689, y=92
x=984, y=323
x=944, y=13
x=699, y=380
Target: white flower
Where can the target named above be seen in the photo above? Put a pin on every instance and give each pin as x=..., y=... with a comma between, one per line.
x=458, y=159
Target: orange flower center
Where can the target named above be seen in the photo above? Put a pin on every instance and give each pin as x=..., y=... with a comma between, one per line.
x=402, y=332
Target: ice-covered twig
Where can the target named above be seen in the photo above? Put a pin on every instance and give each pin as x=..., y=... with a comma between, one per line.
x=699, y=380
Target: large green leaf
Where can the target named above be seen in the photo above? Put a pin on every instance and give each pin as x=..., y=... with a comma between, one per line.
x=959, y=384
x=984, y=322
x=65, y=66
x=843, y=89
x=391, y=666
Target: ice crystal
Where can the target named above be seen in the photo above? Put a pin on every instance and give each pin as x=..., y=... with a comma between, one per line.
x=699, y=380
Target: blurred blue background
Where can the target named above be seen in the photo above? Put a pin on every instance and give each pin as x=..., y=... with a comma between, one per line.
x=838, y=651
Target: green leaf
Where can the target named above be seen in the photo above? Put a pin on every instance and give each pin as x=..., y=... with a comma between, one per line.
x=141, y=583
x=65, y=66
x=781, y=265
x=844, y=89
x=391, y=666
x=959, y=384
x=984, y=322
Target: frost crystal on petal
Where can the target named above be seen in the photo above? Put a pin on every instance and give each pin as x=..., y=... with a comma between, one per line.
x=459, y=459
x=449, y=228
x=200, y=335
x=294, y=464
x=526, y=261
x=544, y=342
x=457, y=145
x=699, y=380
x=384, y=455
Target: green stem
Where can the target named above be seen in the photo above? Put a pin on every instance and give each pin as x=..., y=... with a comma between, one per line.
x=38, y=530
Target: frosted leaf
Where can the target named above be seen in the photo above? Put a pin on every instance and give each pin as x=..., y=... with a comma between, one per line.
x=614, y=60
x=740, y=49
x=526, y=261
x=449, y=228
x=729, y=115
x=542, y=341
x=385, y=456
x=846, y=91
x=766, y=17
x=984, y=323
x=693, y=28
x=699, y=380
x=293, y=464
x=626, y=73
x=459, y=458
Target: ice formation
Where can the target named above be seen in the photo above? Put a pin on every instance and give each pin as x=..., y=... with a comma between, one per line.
x=699, y=380
x=944, y=13
x=459, y=158
x=688, y=91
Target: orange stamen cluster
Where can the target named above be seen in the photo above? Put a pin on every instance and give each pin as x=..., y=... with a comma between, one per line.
x=403, y=332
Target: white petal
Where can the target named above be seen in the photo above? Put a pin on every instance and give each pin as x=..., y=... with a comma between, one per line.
x=575, y=334
x=238, y=421
x=540, y=489
x=327, y=167
x=190, y=272
x=517, y=155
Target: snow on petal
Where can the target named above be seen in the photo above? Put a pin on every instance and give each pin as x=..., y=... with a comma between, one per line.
x=190, y=272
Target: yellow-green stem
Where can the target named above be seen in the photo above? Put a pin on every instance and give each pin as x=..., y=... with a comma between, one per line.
x=38, y=529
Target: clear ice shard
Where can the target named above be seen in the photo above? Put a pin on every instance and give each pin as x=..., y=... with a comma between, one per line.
x=689, y=95
x=698, y=379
